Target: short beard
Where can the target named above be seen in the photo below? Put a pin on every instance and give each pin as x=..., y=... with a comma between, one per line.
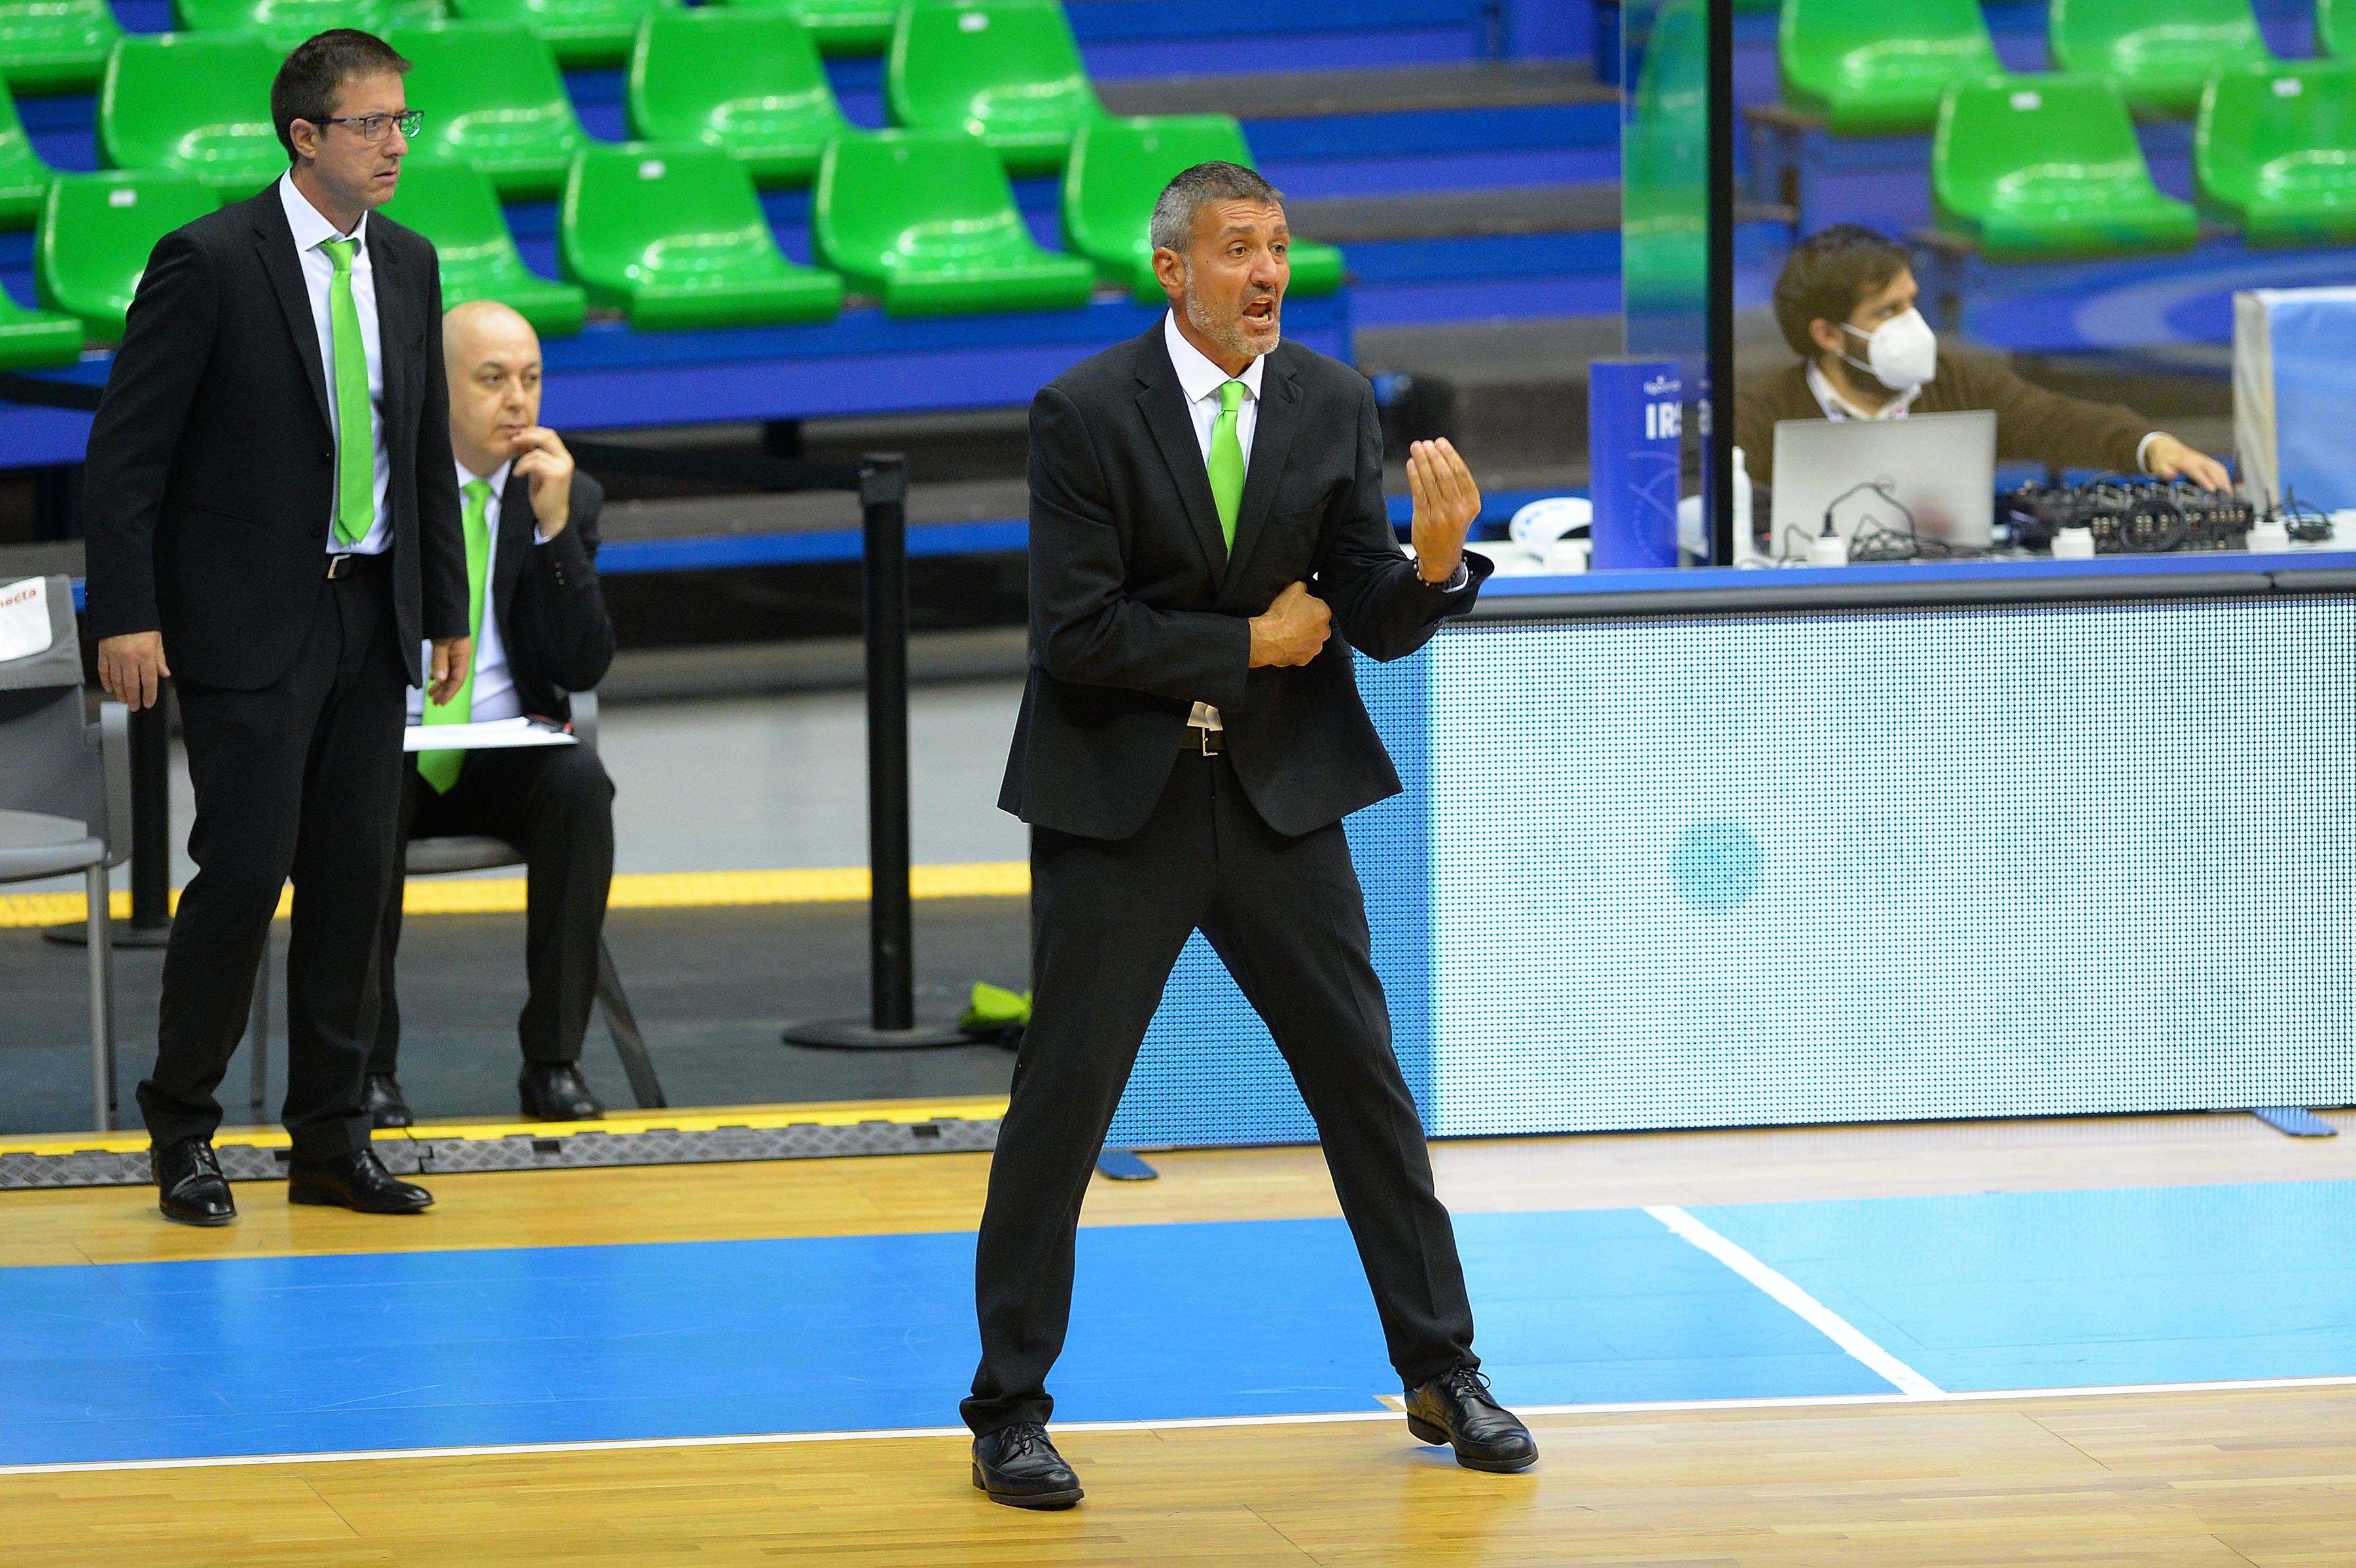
x=1228, y=334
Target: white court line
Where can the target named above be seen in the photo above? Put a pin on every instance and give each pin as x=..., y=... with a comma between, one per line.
x=1794, y=1402
x=1831, y=1323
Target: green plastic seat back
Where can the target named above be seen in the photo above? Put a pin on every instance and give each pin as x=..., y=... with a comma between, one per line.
x=2037, y=145
x=1007, y=70
x=454, y=205
x=747, y=80
x=97, y=232
x=283, y=21
x=836, y=27
x=654, y=213
x=1117, y=170
x=55, y=44
x=2281, y=134
x=2335, y=28
x=581, y=32
x=2160, y=52
x=492, y=96
x=197, y=102
x=1869, y=66
x=23, y=177
x=921, y=200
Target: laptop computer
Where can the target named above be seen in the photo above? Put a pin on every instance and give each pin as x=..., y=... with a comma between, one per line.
x=1941, y=467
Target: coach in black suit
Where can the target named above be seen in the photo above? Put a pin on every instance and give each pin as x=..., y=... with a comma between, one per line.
x=1205, y=507
x=541, y=631
x=270, y=504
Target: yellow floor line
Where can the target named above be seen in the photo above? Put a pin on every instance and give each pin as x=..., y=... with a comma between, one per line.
x=632, y=890
x=828, y=1114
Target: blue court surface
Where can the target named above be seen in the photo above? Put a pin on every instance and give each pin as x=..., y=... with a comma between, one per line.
x=636, y=1342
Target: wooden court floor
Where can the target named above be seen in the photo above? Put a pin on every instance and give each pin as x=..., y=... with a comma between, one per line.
x=2236, y=1476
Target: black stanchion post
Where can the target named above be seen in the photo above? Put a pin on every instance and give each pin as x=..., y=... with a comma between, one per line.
x=883, y=501
x=892, y=1021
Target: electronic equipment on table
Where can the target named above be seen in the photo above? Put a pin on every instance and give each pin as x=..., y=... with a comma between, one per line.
x=1885, y=489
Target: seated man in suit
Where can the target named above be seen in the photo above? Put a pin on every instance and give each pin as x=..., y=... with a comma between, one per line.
x=542, y=629
x=1845, y=302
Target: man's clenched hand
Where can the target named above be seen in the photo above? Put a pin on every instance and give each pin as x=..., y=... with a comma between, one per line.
x=1294, y=630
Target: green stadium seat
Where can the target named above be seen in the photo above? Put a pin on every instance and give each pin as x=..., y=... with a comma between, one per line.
x=97, y=232
x=1005, y=70
x=674, y=233
x=2335, y=28
x=2037, y=167
x=55, y=46
x=2275, y=152
x=746, y=82
x=286, y=23
x=1873, y=69
x=23, y=177
x=455, y=205
x=492, y=97
x=195, y=102
x=2160, y=52
x=31, y=338
x=581, y=32
x=836, y=27
x=926, y=221
x=1117, y=172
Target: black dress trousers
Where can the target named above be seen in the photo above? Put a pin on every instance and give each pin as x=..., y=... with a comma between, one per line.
x=299, y=778
x=555, y=804
x=1288, y=918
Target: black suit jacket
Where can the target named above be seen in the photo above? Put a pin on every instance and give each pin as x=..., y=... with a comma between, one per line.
x=1137, y=612
x=550, y=611
x=211, y=471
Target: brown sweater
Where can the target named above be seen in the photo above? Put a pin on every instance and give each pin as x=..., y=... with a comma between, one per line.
x=2032, y=425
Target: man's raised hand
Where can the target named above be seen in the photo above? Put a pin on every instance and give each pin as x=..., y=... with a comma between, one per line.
x=1446, y=502
x=541, y=459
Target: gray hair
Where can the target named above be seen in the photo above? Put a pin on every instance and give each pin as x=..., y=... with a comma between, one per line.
x=1173, y=216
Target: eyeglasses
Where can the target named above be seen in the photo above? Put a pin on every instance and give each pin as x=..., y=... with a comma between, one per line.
x=372, y=126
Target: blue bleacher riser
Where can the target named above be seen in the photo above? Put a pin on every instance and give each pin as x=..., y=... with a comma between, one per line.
x=863, y=362
x=724, y=552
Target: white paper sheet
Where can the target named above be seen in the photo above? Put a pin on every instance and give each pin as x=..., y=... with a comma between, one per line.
x=25, y=618
x=493, y=735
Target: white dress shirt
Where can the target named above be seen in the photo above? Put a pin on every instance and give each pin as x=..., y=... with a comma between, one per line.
x=495, y=693
x=1201, y=382
x=318, y=277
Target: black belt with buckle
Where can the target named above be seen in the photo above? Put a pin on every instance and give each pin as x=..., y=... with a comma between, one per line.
x=347, y=564
x=1209, y=741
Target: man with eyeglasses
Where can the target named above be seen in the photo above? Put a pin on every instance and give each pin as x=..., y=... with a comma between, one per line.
x=273, y=521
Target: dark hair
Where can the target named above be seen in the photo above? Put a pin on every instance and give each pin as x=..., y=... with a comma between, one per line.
x=313, y=75
x=1828, y=275
x=1174, y=215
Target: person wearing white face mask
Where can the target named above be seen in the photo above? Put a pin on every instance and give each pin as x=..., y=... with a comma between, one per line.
x=1845, y=304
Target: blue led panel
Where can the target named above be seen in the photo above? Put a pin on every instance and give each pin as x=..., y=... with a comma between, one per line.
x=1712, y=871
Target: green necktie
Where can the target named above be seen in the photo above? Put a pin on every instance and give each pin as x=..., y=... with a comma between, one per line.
x=1227, y=461
x=355, y=441
x=440, y=768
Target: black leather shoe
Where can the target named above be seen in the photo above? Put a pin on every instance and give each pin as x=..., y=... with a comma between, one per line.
x=386, y=1108
x=356, y=1181
x=1456, y=1410
x=1018, y=1467
x=190, y=1185
x=555, y=1091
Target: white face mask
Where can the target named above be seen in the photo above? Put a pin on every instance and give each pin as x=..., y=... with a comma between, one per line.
x=1901, y=353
